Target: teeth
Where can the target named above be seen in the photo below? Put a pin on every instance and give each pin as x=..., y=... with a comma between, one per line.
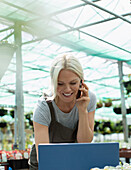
x=67, y=94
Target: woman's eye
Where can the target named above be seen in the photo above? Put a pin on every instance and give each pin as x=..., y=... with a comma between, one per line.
x=73, y=83
x=60, y=84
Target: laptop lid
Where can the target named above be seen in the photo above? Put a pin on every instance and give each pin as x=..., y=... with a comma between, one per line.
x=77, y=156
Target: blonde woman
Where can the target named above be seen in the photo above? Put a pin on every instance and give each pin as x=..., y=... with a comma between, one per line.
x=69, y=116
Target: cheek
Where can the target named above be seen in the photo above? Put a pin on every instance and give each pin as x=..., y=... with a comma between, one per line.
x=75, y=88
x=59, y=89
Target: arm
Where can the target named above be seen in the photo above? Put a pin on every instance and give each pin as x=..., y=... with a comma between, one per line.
x=41, y=135
x=85, y=127
x=86, y=120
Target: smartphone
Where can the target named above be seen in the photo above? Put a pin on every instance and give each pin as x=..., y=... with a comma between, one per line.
x=79, y=92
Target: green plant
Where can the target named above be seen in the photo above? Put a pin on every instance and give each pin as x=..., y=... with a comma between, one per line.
x=99, y=104
x=12, y=113
x=127, y=84
x=29, y=115
x=108, y=102
x=3, y=123
x=3, y=111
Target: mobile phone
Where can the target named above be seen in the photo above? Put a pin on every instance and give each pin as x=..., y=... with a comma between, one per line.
x=79, y=92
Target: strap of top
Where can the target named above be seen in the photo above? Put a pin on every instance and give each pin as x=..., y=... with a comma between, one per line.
x=52, y=112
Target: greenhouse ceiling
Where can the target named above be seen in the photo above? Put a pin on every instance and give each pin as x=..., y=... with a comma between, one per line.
x=98, y=32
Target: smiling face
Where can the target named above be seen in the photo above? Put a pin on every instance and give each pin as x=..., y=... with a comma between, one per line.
x=68, y=85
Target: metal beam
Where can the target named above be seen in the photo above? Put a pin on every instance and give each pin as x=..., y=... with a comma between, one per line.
x=123, y=107
x=5, y=38
x=103, y=9
x=86, y=25
x=19, y=113
x=57, y=12
x=18, y=7
x=42, y=16
x=93, y=23
x=75, y=29
x=6, y=29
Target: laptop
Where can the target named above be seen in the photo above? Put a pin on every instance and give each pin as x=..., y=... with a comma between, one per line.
x=77, y=156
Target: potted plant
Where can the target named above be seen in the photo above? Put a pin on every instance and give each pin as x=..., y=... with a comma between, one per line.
x=96, y=126
x=12, y=113
x=108, y=103
x=99, y=104
x=127, y=84
x=29, y=115
x=3, y=123
x=3, y=111
x=129, y=110
x=117, y=109
x=119, y=127
x=104, y=127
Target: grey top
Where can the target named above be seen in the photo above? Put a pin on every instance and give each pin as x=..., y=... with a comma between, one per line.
x=42, y=113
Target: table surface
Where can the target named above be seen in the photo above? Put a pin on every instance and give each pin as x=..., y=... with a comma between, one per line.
x=126, y=153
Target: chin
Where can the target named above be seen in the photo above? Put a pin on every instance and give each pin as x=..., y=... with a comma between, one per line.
x=70, y=99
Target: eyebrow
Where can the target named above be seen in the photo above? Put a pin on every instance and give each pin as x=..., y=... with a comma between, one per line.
x=70, y=81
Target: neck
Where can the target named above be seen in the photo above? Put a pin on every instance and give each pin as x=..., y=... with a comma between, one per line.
x=64, y=107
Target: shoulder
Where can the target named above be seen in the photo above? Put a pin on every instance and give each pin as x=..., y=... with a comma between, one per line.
x=92, y=95
x=92, y=103
x=42, y=112
x=41, y=105
x=42, y=102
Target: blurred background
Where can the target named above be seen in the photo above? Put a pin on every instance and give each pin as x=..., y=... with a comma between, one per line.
x=33, y=33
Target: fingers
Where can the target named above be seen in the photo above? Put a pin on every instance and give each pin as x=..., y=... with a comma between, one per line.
x=84, y=89
x=84, y=92
x=85, y=86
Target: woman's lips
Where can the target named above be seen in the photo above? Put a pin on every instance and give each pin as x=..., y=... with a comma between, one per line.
x=67, y=94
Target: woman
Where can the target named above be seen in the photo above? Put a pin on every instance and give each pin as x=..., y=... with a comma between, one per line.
x=67, y=117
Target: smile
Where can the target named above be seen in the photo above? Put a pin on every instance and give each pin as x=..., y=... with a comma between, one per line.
x=67, y=95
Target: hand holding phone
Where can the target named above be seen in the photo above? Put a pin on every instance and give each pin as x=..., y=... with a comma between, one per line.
x=79, y=92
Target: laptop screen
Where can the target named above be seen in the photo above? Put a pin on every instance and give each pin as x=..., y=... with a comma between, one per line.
x=77, y=156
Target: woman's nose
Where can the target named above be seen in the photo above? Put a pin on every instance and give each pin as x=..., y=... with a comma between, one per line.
x=67, y=88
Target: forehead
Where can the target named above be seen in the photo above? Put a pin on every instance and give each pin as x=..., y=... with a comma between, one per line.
x=67, y=74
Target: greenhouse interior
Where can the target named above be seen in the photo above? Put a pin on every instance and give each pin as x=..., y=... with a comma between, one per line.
x=32, y=34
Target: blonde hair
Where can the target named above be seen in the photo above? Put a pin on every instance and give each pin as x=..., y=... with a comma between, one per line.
x=64, y=61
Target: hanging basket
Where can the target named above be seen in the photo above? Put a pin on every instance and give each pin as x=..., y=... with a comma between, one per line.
x=12, y=113
x=117, y=110
x=3, y=112
x=108, y=104
x=127, y=85
x=6, y=53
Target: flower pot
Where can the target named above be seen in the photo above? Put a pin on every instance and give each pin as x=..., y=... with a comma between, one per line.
x=99, y=105
x=109, y=104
